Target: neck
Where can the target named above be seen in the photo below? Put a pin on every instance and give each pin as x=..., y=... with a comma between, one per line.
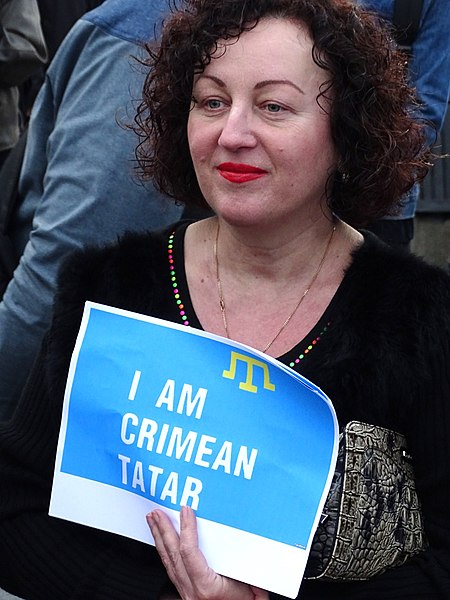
x=298, y=303
x=261, y=282
x=271, y=257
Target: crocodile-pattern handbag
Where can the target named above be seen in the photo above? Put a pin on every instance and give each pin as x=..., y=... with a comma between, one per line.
x=372, y=519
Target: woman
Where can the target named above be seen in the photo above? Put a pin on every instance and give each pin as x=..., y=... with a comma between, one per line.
x=287, y=118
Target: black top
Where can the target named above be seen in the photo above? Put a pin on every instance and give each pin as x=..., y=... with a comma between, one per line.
x=383, y=358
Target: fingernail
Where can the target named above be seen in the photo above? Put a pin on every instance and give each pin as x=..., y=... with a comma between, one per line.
x=186, y=511
x=152, y=517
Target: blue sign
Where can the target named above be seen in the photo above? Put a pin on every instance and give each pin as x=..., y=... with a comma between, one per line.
x=183, y=417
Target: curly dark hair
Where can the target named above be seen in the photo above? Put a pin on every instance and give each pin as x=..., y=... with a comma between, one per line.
x=379, y=139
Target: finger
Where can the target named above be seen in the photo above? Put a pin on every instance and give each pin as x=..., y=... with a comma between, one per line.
x=154, y=524
x=193, y=559
x=167, y=544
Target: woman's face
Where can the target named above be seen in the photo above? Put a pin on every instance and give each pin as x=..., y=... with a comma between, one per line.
x=260, y=144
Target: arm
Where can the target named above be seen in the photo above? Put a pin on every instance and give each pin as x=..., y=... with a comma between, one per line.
x=427, y=426
x=77, y=186
x=415, y=369
x=41, y=556
x=430, y=62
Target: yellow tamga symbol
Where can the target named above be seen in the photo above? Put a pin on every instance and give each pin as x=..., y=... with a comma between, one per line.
x=248, y=384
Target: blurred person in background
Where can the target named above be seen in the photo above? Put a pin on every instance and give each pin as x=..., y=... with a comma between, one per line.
x=22, y=52
x=77, y=184
x=424, y=35
x=57, y=18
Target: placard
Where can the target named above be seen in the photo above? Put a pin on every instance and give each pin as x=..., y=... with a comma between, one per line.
x=161, y=415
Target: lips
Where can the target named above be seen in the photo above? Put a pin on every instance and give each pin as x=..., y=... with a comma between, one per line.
x=239, y=172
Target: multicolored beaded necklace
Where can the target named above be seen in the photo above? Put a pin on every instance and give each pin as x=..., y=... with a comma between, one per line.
x=310, y=347
x=184, y=317
x=173, y=279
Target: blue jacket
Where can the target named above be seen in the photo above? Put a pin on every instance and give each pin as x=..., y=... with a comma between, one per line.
x=77, y=181
x=429, y=68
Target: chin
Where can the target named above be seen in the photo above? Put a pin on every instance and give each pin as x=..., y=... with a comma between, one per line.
x=246, y=218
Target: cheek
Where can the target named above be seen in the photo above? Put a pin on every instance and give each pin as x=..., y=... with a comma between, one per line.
x=311, y=141
x=200, y=154
x=309, y=160
x=199, y=159
x=190, y=136
x=193, y=152
x=203, y=136
x=198, y=146
x=193, y=135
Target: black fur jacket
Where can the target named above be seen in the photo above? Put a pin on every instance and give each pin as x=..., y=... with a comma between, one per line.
x=385, y=359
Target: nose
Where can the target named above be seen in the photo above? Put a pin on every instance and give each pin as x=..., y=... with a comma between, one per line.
x=237, y=131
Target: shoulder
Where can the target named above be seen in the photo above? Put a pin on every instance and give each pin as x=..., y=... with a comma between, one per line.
x=403, y=270
x=115, y=273
x=130, y=20
x=398, y=288
x=128, y=274
x=389, y=335
x=66, y=60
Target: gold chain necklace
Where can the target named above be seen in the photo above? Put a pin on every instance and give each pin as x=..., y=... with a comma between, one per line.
x=302, y=297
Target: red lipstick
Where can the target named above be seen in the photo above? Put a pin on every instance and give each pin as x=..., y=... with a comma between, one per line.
x=239, y=172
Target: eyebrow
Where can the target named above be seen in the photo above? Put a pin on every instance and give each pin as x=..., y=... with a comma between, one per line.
x=267, y=82
x=219, y=82
x=259, y=85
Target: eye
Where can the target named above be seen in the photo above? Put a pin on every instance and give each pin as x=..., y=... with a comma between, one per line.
x=273, y=107
x=209, y=104
x=213, y=103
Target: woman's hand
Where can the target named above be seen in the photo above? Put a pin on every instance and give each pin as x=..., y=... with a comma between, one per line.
x=186, y=565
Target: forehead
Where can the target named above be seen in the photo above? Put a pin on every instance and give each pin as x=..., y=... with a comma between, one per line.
x=275, y=46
